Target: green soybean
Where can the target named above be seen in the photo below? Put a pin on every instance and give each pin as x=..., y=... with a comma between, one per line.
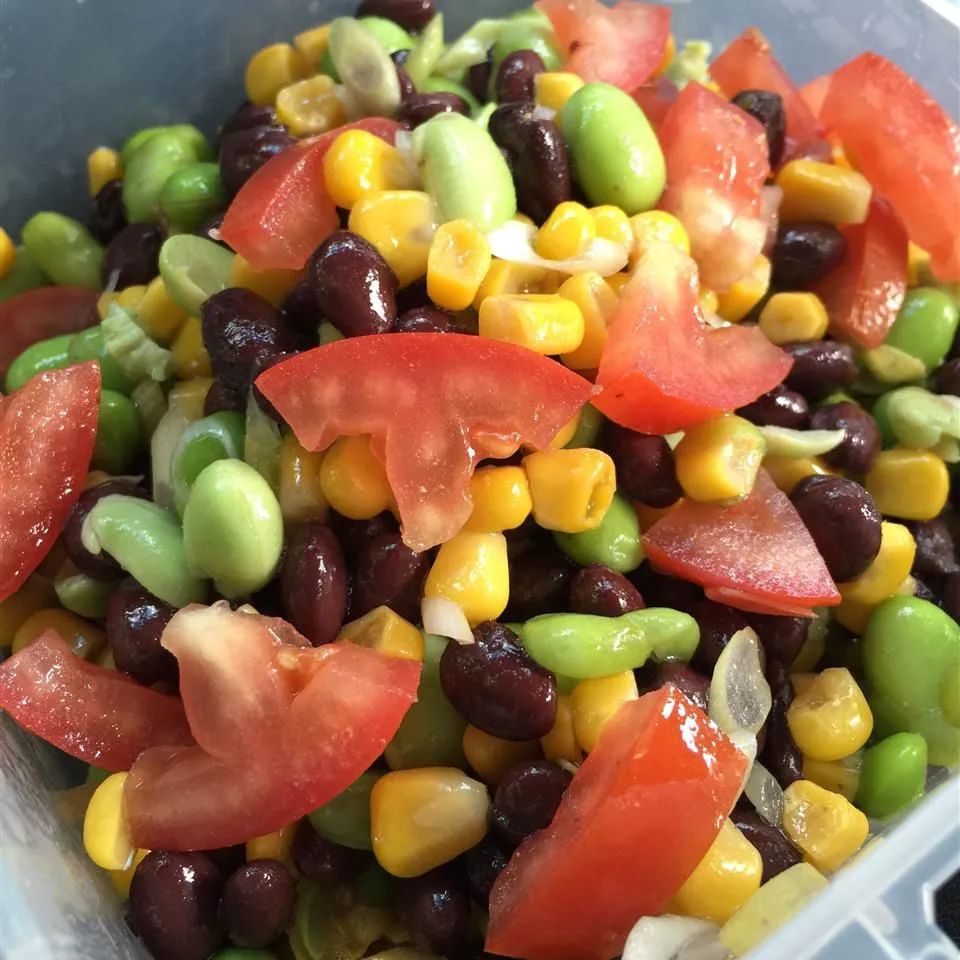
x=119, y=437
x=262, y=443
x=52, y=354
x=583, y=646
x=147, y=542
x=616, y=155
x=346, y=818
x=429, y=49
x=365, y=67
x=616, y=543
x=193, y=269
x=892, y=774
x=64, y=249
x=216, y=437
x=89, y=344
x=375, y=886
x=159, y=158
x=187, y=133
x=469, y=48
x=24, y=275
x=436, y=84
x=925, y=326
x=232, y=528
x=588, y=427
x=916, y=417
x=84, y=596
x=528, y=32
x=191, y=195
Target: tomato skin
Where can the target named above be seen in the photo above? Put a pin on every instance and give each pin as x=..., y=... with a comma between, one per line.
x=47, y=429
x=907, y=146
x=435, y=404
x=283, y=212
x=98, y=715
x=637, y=818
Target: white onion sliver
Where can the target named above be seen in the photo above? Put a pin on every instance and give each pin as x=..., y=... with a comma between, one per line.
x=543, y=113
x=445, y=619
x=513, y=241
x=766, y=795
x=670, y=937
x=740, y=696
x=784, y=442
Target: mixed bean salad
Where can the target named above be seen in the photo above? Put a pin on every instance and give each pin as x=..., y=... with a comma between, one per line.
x=494, y=498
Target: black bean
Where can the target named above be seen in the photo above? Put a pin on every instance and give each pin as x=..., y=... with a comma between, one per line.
x=776, y=851
x=780, y=754
x=936, y=551
x=257, y=904
x=224, y=396
x=135, y=621
x=820, y=367
x=718, y=623
x=843, y=521
x=246, y=117
x=644, y=465
x=539, y=583
x=132, y=256
x=420, y=107
x=320, y=859
x=412, y=15
x=407, y=87
x=946, y=378
x=354, y=286
x=483, y=864
x=478, y=78
x=435, y=908
x=210, y=230
x=862, y=442
x=428, y=320
x=950, y=596
x=386, y=572
x=780, y=407
x=495, y=685
x=108, y=217
x=603, y=592
x=244, y=152
x=262, y=363
x=313, y=579
x=660, y=590
x=353, y=534
x=685, y=678
x=923, y=591
x=537, y=155
x=766, y=107
x=174, y=900
x=805, y=253
x=227, y=859
x=527, y=798
x=515, y=76
x=780, y=637
x=302, y=314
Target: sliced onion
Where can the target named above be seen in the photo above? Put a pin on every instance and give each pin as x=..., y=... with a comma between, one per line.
x=445, y=619
x=740, y=696
x=673, y=938
x=513, y=241
x=543, y=113
x=794, y=444
x=766, y=795
x=770, y=199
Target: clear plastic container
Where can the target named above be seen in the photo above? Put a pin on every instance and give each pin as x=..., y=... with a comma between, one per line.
x=78, y=73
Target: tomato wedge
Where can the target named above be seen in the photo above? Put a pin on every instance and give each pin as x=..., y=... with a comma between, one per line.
x=637, y=818
x=907, y=146
x=281, y=728
x=755, y=555
x=47, y=429
x=98, y=715
x=622, y=45
x=434, y=403
x=717, y=164
x=655, y=99
x=283, y=212
x=865, y=293
x=662, y=368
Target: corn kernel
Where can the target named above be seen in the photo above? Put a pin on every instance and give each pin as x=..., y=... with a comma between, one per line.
x=746, y=293
x=300, y=490
x=272, y=285
x=787, y=472
x=791, y=317
x=128, y=297
x=312, y=44
x=420, y=819
x=839, y=776
x=382, y=629
x=401, y=225
x=505, y=277
x=908, y=484
x=591, y=293
x=501, y=499
x=189, y=396
x=611, y=223
x=566, y=232
x=105, y=835
x=34, y=594
x=353, y=480
x=270, y=70
x=553, y=88
x=121, y=879
x=85, y=639
x=657, y=226
x=887, y=571
x=491, y=757
x=918, y=265
x=561, y=742
x=648, y=516
x=274, y=846
x=826, y=827
x=545, y=323
x=189, y=353
x=823, y=192
x=595, y=701
x=617, y=281
x=359, y=162
x=458, y=260
x=831, y=718
x=310, y=107
x=718, y=460
x=103, y=165
x=565, y=434
x=669, y=52
x=471, y=570
x=571, y=489
x=727, y=876
x=709, y=301
x=158, y=314
x=8, y=253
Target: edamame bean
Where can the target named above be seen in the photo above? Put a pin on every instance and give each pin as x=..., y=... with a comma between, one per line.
x=64, y=249
x=892, y=774
x=464, y=171
x=147, y=542
x=89, y=345
x=616, y=155
x=346, y=818
x=217, y=437
x=119, y=437
x=24, y=275
x=916, y=417
x=443, y=85
x=925, y=326
x=427, y=52
x=365, y=67
x=85, y=596
x=232, y=528
x=582, y=645
x=162, y=155
x=191, y=195
x=528, y=32
x=52, y=354
x=188, y=133
x=616, y=543
x=193, y=269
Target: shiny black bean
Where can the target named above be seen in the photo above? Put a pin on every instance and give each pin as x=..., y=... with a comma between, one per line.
x=435, y=908
x=261, y=364
x=246, y=117
x=718, y=623
x=132, y=256
x=224, y=396
x=313, y=579
x=659, y=590
x=843, y=521
x=244, y=152
x=776, y=851
x=936, y=551
x=420, y=107
x=478, y=78
x=354, y=286
x=319, y=859
x=527, y=798
x=780, y=637
x=820, y=367
x=644, y=464
x=428, y=320
x=863, y=441
x=386, y=572
x=946, y=378
x=174, y=901
x=805, y=253
x=353, y=534
x=135, y=621
x=302, y=314
x=950, y=596
x=412, y=15
x=780, y=407
x=537, y=155
x=515, y=76
x=108, y=217
x=603, y=592
x=495, y=685
x=227, y=859
x=210, y=229
x=257, y=904
x=780, y=754
x=482, y=865
x=539, y=583
x=100, y=566
x=766, y=107
x=684, y=677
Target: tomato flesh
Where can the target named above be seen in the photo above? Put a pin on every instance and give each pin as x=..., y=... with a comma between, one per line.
x=637, y=818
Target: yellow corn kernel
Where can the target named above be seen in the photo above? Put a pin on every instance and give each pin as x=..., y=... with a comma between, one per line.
x=669, y=52
x=918, y=265
x=158, y=314
x=571, y=489
x=787, y=472
x=358, y=163
x=458, y=260
x=826, y=827
x=888, y=570
x=309, y=107
x=825, y=192
x=830, y=719
x=566, y=232
x=121, y=879
x=105, y=835
x=420, y=819
x=103, y=165
x=908, y=484
x=840, y=776
x=8, y=253
x=492, y=757
x=612, y=224
x=401, y=225
x=839, y=156
x=505, y=277
x=722, y=882
x=718, y=460
x=272, y=285
x=648, y=516
x=312, y=44
x=270, y=70
x=189, y=353
x=353, y=480
x=554, y=88
x=128, y=297
x=501, y=499
x=656, y=226
x=300, y=490
x=789, y=317
x=85, y=638
x=382, y=629
x=188, y=397
x=617, y=281
x=746, y=293
x=709, y=301
x=565, y=434
x=591, y=293
x=545, y=323
x=595, y=701
x=274, y=846
x=34, y=594
x=471, y=570
x=561, y=742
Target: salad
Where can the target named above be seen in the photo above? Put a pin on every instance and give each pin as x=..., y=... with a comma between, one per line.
x=496, y=497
